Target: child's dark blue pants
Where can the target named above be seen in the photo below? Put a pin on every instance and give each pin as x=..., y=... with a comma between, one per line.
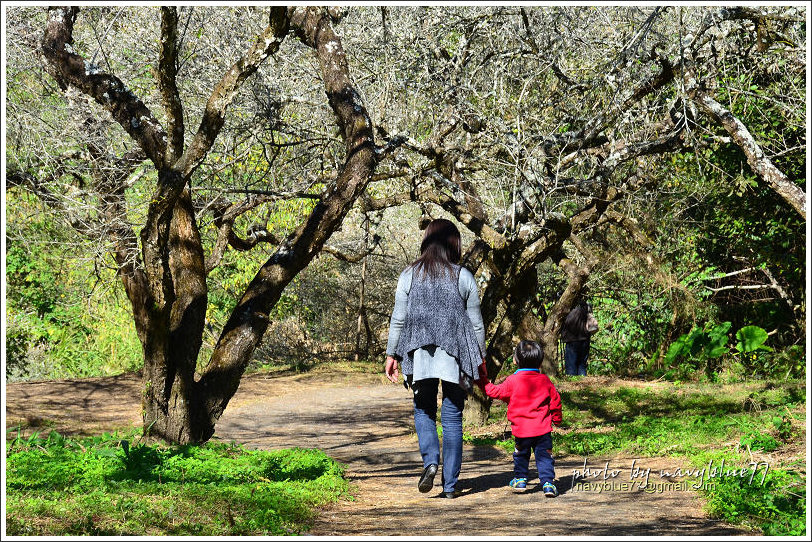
x=542, y=447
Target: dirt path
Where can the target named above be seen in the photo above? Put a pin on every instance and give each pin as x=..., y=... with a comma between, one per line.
x=365, y=422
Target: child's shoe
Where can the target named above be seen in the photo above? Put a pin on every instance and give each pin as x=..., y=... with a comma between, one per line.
x=549, y=490
x=518, y=484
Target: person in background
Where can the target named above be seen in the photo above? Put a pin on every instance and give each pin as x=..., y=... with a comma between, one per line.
x=576, y=332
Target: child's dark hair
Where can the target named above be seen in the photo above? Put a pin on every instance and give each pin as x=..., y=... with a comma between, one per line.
x=528, y=354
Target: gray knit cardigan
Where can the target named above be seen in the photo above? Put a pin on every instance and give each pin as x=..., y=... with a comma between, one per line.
x=436, y=315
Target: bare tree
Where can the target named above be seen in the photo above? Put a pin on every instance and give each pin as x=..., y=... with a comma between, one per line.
x=164, y=268
x=535, y=124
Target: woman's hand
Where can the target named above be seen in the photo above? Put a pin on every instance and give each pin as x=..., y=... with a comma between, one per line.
x=391, y=369
x=483, y=371
x=483, y=376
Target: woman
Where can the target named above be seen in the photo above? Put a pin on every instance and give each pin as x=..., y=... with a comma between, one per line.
x=437, y=334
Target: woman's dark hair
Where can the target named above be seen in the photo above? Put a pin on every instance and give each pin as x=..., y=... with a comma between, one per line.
x=440, y=248
x=528, y=354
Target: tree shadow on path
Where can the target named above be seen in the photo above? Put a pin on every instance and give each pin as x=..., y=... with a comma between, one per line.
x=369, y=429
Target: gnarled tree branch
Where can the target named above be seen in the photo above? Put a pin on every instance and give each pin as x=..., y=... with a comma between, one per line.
x=223, y=94
x=167, y=74
x=249, y=320
x=758, y=161
x=70, y=69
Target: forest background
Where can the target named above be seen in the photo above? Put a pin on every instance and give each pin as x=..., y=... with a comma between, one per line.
x=576, y=143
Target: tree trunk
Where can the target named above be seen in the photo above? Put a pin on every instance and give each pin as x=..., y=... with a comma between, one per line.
x=363, y=322
x=477, y=408
x=171, y=403
x=249, y=320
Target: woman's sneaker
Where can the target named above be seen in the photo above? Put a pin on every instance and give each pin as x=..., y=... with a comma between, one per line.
x=518, y=484
x=549, y=490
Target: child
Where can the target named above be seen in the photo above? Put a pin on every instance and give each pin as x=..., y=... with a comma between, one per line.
x=533, y=406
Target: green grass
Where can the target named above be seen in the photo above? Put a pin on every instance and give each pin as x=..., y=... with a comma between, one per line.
x=699, y=422
x=775, y=501
x=107, y=486
x=672, y=420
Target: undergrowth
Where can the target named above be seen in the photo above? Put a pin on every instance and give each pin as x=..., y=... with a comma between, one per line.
x=110, y=485
x=774, y=501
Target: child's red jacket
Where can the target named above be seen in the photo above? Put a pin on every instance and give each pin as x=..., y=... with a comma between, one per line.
x=533, y=402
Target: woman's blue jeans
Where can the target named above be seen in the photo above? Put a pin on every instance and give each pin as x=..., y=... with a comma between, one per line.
x=575, y=356
x=425, y=425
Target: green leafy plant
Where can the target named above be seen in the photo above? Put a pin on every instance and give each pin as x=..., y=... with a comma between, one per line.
x=705, y=347
x=700, y=347
x=751, y=339
x=783, y=426
x=759, y=441
x=777, y=505
x=751, y=349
